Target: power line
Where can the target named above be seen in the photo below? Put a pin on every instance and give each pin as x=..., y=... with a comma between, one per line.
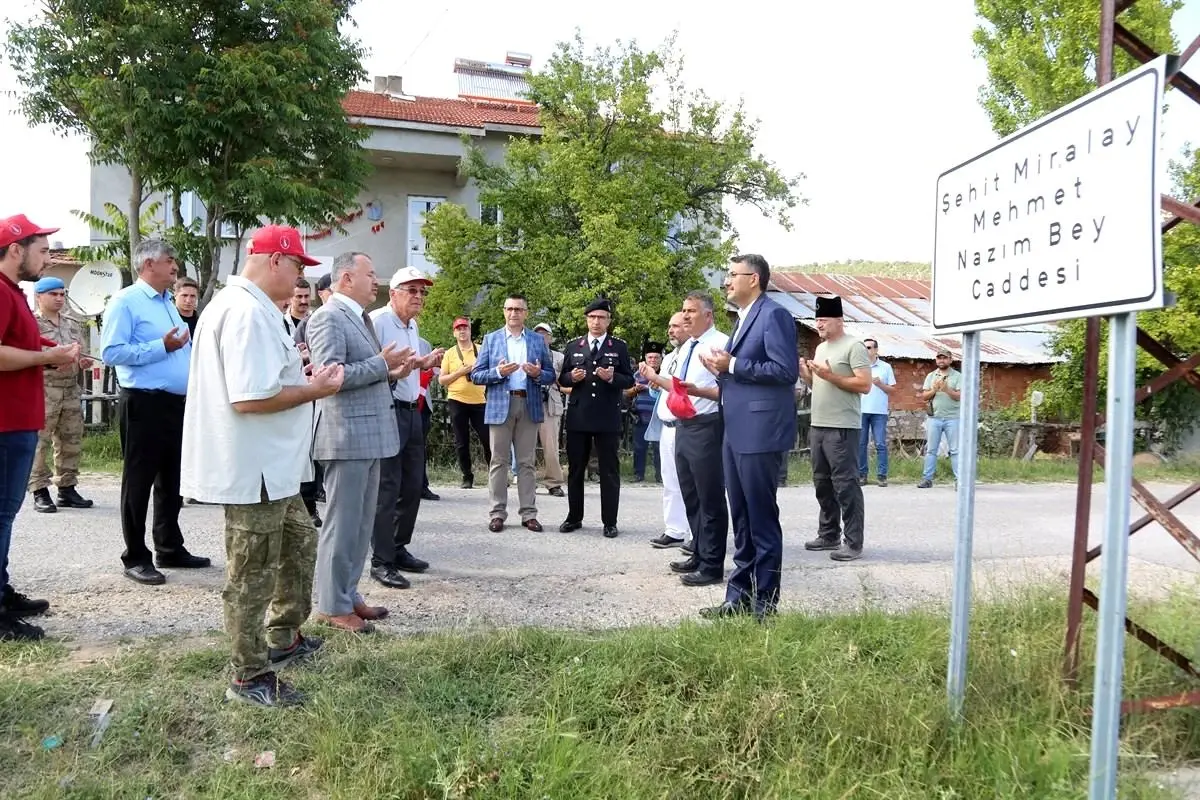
x=428, y=33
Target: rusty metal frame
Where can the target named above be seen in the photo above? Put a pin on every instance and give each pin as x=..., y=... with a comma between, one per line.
x=1113, y=33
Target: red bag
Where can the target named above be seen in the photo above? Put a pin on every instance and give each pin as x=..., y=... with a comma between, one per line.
x=679, y=402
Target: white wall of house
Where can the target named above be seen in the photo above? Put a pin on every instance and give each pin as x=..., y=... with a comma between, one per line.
x=414, y=171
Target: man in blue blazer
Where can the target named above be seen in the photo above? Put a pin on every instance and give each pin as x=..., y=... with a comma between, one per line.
x=513, y=363
x=757, y=376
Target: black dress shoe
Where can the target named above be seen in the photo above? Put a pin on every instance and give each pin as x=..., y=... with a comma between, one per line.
x=569, y=525
x=145, y=574
x=316, y=519
x=182, y=560
x=726, y=610
x=610, y=531
x=556, y=491
x=428, y=494
x=689, y=564
x=390, y=577
x=42, y=502
x=69, y=497
x=467, y=483
x=16, y=604
x=700, y=579
x=408, y=562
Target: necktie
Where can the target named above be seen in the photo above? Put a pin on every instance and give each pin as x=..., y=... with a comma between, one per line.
x=595, y=348
x=691, y=349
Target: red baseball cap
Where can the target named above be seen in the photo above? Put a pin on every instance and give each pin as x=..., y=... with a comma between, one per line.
x=280, y=239
x=16, y=228
x=461, y=322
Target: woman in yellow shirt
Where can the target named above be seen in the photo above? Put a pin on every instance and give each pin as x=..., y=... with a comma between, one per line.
x=464, y=400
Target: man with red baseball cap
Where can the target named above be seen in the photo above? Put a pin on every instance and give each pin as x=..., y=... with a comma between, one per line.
x=24, y=254
x=280, y=239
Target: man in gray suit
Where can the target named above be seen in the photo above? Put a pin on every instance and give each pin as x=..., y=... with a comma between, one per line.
x=355, y=428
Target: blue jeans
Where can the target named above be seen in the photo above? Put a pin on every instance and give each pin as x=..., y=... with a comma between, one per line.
x=16, y=461
x=938, y=428
x=873, y=425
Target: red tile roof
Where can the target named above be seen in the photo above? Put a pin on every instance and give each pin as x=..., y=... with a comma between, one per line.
x=441, y=111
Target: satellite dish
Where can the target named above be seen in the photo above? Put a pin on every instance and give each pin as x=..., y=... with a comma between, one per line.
x=92, y=287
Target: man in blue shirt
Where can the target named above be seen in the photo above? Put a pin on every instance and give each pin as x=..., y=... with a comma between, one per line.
x=148, y=343
x=875, y=415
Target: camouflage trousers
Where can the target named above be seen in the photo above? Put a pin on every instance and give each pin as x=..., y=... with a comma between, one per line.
x=270, y=554
x=64, y=429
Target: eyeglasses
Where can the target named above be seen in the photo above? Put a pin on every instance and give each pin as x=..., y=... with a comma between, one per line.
x=514, y=310
x=870, y=347
x=735, y=274
x=416, y=291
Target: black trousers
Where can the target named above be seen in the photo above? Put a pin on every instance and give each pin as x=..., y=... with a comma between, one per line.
x=702, y=484
x=426, y=425
x=579, y=452
x=150, y=424
x=835, y=477
x=310, y=489
x=400, y=483
x=463, y=418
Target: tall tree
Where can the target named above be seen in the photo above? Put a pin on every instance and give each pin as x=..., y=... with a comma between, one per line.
x=620, y=196
x=239, y=103
x=1041, y=55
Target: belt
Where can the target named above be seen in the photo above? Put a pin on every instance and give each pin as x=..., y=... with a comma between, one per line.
x=700, y=419
x=669, y=424
x=127, y=390
x=518, y=393
x=404, y=404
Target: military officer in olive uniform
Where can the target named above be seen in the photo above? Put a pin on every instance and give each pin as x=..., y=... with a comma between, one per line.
x=596, y=368
x=63, y=428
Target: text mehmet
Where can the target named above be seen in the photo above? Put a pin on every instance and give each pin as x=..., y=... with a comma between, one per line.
x=1060, y=227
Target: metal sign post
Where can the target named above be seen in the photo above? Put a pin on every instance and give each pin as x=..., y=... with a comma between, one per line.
x=968, y=447
x=1118, y=477
x=1058, y=221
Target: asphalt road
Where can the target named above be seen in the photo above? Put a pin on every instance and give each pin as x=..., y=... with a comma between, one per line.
x=582, y=580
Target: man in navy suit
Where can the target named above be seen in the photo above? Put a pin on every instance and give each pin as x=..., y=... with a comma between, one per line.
x=757, y=375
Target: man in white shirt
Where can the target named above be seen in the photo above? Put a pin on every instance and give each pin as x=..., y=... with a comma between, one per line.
x=247, y=433
x=402, y=477
x=697, y=439
x=662, y=430
x=875, y=415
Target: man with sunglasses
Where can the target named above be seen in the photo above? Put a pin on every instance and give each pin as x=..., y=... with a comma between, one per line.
x=402, y=477
x=875, y=415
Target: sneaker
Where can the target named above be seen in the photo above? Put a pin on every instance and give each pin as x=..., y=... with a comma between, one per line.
x=821, y=543
x=302, y=648
x=862, y=480
x=16, y=604
x=883, y=482
x=846, y=553
x=925, y=485
x=17, y=630
x=264, y=690
x=665, y=541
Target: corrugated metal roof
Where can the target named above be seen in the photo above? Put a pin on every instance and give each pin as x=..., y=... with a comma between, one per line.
x=897, y=312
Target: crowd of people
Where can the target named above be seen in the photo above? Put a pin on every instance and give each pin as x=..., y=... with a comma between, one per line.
x=259, y=406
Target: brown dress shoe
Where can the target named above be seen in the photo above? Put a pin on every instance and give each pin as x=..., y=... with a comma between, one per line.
x=346, y=622
x=364, y=611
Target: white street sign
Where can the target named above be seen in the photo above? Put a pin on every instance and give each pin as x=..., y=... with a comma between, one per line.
x=1060, y=220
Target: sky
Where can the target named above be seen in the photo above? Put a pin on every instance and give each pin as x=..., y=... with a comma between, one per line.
x=870, y=116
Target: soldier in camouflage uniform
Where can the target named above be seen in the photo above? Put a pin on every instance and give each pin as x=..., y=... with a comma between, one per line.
x=64, y=412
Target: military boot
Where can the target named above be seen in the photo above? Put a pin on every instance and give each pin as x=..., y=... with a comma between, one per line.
x=43, y=503
x=68, y=497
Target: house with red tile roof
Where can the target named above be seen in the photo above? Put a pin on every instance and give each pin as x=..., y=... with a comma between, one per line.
x=415, y=144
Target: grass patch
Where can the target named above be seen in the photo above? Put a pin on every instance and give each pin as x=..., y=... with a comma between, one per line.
x=826, y=707
x=102, y=453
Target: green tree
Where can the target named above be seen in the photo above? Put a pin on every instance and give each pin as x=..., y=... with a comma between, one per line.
x=239, y=103
x=620, y=196
x=1041, y=55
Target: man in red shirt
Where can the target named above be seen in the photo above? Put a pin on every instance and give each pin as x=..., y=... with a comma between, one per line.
x=24, y=253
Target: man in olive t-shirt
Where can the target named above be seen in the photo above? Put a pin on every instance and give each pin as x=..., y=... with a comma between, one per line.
x=943, y=390
x=839, y=374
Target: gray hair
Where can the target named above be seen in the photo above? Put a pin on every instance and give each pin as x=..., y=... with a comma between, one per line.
x=343, y=264
x=151, y=250
x=703, y=298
